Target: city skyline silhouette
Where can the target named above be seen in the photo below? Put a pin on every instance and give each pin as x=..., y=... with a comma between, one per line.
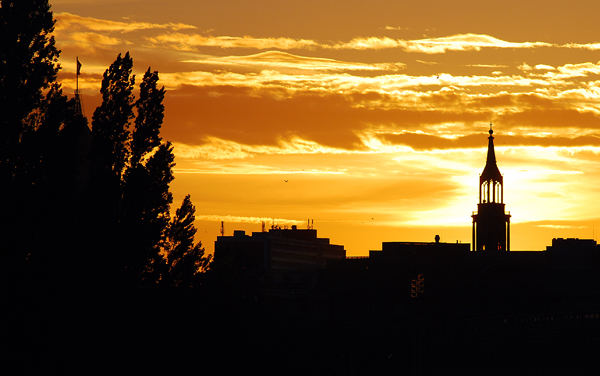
x=143, y=146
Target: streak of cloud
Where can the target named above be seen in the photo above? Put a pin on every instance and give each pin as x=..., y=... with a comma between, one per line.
x=282, y=60
x=67, y=22
x=190, y=42
x=459, y=42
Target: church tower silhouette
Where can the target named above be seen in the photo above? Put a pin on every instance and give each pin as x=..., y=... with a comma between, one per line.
x=491, y=225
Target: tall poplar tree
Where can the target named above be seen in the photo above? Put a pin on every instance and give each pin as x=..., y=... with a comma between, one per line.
x=150, y=114
x=35, y=118
x=146, y=196
x=111, y=120
x=109, y=154
x=32, y=110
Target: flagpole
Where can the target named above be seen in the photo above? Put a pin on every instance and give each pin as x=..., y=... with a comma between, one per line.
x=77, y=74
x=77, y=99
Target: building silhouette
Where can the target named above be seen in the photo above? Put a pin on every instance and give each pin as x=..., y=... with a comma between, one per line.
x=491, y=224
x=560, y=245
x=278, y=262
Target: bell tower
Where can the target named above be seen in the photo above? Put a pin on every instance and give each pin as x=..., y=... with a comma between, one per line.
x=491, y=225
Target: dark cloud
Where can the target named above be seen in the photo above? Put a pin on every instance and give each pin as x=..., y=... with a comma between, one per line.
x=263, y=117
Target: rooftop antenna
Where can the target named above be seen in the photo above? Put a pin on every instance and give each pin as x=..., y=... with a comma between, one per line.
x=222, y=229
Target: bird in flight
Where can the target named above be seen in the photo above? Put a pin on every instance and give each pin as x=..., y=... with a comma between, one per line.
x=285, y=180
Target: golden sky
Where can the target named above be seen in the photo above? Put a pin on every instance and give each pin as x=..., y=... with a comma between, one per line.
x=370, y=117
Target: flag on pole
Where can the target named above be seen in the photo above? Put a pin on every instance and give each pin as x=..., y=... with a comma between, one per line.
x=78, y=66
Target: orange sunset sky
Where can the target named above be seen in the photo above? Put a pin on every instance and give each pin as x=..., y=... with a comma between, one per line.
x=374, y=112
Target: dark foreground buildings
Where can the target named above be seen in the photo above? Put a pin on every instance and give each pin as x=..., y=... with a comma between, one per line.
x=422, y=308
x=418, y=307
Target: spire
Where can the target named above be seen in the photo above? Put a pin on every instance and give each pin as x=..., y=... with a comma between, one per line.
x=491, y=225
x=491, y=171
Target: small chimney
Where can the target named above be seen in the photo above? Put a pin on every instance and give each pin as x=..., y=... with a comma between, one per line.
x=294, y=227
x=437, y=238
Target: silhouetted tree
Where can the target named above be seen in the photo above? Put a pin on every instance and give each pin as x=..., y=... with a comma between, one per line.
x=111, y=120
x=146, y=197
x=28, y=66
x=133, y=171
x=150, y=114
x=186, y=260
x=109, y=154
x=147, y=202
x=38, y=131
x=33, y=112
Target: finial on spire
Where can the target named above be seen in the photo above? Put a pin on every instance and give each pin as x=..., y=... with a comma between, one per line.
x=491, y=131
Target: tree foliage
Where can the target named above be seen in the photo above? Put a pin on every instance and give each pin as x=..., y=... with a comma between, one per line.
x=134, y=170
x=28, y=67
x=80, y=205
x=35, y=113
x=31, y=99
x=111, y=120
x=147, y=202
x=146, y=195
x=185, y=259
x=150, y=114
